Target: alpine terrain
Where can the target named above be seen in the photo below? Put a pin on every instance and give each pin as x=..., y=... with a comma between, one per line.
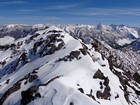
x=69, y=65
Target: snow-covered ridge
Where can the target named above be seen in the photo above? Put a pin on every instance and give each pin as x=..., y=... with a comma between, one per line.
x=122, y=40
x=118, y=37
x=51, y=67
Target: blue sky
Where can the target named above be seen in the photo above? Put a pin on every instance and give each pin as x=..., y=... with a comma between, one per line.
x=70, y=12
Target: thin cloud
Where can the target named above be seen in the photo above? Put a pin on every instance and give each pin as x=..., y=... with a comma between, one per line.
x=107, y=19
x=80, y=11
x=48, y=18
x=12, y=2
x=27, y=10
x=103, y=11
x=62, y=6
x=115, y=11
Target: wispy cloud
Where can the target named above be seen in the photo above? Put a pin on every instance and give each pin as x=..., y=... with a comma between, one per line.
x=78, y=11
x=12, y=2
x=104, y=11
x=40, y=18
x=66, y=6
x=115, y=11
x=27, y=10
x=106, y=19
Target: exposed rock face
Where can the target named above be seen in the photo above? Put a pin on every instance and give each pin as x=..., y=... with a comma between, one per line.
x=81, y=90
x=99, y=75
x=137, y=77
x=32, y=78
x=29, y=95
x=11, y=90
x=106, y=93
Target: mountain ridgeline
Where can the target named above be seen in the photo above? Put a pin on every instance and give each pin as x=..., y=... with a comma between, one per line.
x=69, y=65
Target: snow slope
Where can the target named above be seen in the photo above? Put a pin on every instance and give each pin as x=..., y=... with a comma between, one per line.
x=6, y=40
x=51, y=67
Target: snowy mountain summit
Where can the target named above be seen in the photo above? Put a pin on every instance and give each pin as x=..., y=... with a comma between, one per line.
x=51, y=67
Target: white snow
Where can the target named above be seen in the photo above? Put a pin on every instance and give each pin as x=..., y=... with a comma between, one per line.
x=39, y=26
x=6, y=40
x=11, y=26
x=59, y=94
x=132, y=31
x=123, y=41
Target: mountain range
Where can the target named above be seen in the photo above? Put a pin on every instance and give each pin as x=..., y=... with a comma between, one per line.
x=69, y=64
